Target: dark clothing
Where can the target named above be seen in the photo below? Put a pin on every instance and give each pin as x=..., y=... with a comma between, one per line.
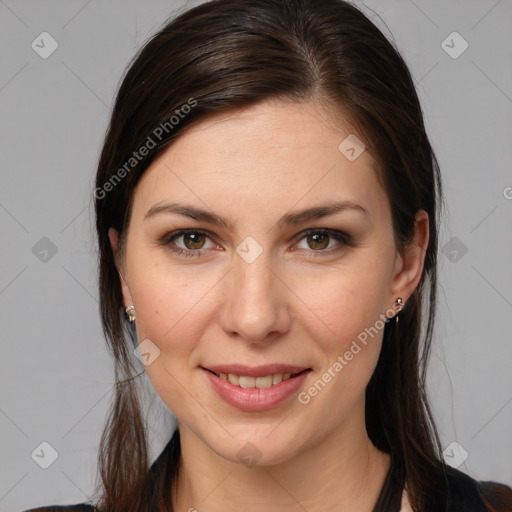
x=468, y=495
x=465, y=494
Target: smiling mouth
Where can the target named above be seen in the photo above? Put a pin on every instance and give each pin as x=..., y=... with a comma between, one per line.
x=262, y=382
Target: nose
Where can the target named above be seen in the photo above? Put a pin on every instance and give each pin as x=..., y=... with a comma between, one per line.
x=256, y=306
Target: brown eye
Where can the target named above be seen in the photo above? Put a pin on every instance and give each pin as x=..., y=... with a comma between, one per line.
x=193, y=240
x=318, y=241
x=188, y=242
x=322, y=241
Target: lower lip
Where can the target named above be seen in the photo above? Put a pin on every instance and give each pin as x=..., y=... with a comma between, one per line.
x=256, y=399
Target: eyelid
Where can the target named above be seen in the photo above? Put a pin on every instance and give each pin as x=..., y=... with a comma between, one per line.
x=340, y=236
x=169, y=237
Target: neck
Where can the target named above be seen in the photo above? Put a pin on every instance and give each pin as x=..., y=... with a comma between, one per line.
x=343, y=471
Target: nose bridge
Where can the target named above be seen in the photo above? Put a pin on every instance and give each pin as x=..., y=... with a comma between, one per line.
x=256, y=306
x=255, y=281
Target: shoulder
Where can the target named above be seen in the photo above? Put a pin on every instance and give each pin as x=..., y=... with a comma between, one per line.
x=80, y=507
x=467, y=493
x=496, y=496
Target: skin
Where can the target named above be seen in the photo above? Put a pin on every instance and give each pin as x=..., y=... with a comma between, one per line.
x=298, y=302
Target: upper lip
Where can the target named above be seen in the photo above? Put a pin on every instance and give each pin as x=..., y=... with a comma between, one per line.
x=255, y=371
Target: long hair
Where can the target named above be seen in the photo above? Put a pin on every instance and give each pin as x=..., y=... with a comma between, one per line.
x=226, y=55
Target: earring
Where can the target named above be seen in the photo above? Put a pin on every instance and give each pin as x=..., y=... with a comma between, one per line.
x=130, y=311
x=398, y=305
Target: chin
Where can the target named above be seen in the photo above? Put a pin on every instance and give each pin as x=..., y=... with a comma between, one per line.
x=257, y=448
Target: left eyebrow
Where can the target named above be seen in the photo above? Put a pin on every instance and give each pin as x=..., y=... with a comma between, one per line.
x=291, y=219
x=324, y=210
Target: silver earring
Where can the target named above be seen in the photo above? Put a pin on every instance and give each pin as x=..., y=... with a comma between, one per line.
x=130, y=311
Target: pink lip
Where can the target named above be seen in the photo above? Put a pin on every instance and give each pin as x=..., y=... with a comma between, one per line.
x=255, y=371
x=255, y=399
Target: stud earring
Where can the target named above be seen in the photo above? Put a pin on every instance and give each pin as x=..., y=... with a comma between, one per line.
x=130, y=311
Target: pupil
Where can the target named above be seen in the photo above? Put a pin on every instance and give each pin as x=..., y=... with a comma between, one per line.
x=317, y=239
x=194, y=240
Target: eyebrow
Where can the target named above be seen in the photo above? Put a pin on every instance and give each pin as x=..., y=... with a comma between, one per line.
x=290, y=219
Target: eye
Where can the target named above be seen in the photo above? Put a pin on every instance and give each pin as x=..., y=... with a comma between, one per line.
x=324, y=240
x=192, y=242
x=195, y=242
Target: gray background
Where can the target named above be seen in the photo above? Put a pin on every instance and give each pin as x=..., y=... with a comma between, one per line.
x=56, y=374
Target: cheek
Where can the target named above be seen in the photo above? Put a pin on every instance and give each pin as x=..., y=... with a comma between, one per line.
x=342, y=305
x=173, y=304
x=344, y=322
x=167, y=305
x=173, y=308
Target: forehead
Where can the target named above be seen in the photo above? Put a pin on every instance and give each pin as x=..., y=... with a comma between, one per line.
x=274, y=153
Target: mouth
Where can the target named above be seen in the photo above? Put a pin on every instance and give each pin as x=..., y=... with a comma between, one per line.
x=255, y=389
x=260, y=382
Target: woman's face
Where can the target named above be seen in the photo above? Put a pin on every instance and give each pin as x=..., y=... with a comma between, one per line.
x=273, y=289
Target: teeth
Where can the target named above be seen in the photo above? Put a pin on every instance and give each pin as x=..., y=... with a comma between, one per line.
x=245, y=381
x=234, y=379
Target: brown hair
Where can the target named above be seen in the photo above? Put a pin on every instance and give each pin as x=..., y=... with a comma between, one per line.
x=230, y=54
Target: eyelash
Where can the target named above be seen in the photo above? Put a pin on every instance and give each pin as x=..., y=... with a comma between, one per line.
x=337, y=235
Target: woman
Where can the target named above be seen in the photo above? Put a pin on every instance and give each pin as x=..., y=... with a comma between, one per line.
x=267, y=209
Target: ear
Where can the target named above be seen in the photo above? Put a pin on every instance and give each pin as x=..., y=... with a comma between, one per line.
x=408, y=268
x=114, y=243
